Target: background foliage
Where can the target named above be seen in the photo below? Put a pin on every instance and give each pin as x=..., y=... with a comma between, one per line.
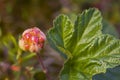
x=18, y=15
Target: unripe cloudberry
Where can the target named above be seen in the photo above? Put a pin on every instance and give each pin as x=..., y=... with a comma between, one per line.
x=32, y=40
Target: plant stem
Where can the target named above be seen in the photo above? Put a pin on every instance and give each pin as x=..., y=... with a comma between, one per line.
x=43, y=66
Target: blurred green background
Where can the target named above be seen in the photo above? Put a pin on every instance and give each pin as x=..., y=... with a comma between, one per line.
x=18, y=15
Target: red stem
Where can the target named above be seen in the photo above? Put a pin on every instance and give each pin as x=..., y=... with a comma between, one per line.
x=43, y=66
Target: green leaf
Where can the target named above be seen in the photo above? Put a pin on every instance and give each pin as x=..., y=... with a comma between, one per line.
x=64, y=28
x=10, y=43
x=88, y=51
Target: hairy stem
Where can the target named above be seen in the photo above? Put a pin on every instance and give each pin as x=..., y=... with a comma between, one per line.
x=43, y=66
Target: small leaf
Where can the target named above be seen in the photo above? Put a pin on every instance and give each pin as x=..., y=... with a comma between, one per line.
x=88, y=51
x=64, y=28
x=10, y=44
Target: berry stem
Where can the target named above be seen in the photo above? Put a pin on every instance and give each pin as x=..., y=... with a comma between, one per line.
x=43, y=66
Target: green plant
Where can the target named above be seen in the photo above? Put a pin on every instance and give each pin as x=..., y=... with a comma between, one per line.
x=33, y=40
x=87, y=50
